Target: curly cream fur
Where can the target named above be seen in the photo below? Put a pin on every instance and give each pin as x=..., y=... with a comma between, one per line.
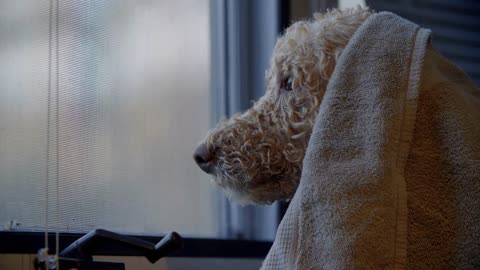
x=259, y=154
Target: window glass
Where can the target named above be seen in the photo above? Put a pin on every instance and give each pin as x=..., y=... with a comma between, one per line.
x=133, y=100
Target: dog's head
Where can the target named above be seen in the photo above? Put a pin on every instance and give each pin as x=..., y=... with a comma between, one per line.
x=256, y=157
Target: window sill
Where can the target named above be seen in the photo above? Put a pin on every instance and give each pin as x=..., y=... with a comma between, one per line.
x=30, y=242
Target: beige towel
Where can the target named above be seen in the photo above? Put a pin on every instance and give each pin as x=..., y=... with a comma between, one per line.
x=391, y=177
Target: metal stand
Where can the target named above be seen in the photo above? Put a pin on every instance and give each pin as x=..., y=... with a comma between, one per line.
x=79, y=254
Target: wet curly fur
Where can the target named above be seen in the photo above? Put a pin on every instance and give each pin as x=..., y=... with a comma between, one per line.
x=258, y=154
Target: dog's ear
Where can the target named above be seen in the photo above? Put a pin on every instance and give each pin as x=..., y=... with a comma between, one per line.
x=332, y=31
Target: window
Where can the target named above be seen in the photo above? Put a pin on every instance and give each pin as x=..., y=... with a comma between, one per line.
x=133, y=100
x=139, y=84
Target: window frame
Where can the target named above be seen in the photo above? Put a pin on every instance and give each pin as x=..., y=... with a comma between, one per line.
x=29, y=242
x=243, y=34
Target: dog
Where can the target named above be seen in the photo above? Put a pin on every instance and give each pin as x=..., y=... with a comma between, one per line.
x=256, y=157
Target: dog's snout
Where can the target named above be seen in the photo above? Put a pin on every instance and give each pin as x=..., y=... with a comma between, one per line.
x=203, y=157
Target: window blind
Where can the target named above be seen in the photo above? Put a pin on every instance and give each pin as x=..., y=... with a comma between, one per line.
x=132, y=102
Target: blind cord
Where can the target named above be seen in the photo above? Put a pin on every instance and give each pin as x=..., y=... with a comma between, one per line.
x=47, y=169
x=57, y=144
x=53, y=8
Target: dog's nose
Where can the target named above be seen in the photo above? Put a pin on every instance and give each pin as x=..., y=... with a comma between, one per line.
x=203, y=157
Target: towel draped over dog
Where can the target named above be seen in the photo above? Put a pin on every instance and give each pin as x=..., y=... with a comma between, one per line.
x=391, y=176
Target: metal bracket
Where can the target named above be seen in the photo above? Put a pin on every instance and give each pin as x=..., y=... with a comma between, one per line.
x=79, y=254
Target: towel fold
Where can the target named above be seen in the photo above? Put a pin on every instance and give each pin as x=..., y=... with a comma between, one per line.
x=391, y=177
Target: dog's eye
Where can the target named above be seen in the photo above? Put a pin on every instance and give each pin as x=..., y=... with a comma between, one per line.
x=287, y=84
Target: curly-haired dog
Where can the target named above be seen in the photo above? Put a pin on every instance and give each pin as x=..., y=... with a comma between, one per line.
x=256, y=157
